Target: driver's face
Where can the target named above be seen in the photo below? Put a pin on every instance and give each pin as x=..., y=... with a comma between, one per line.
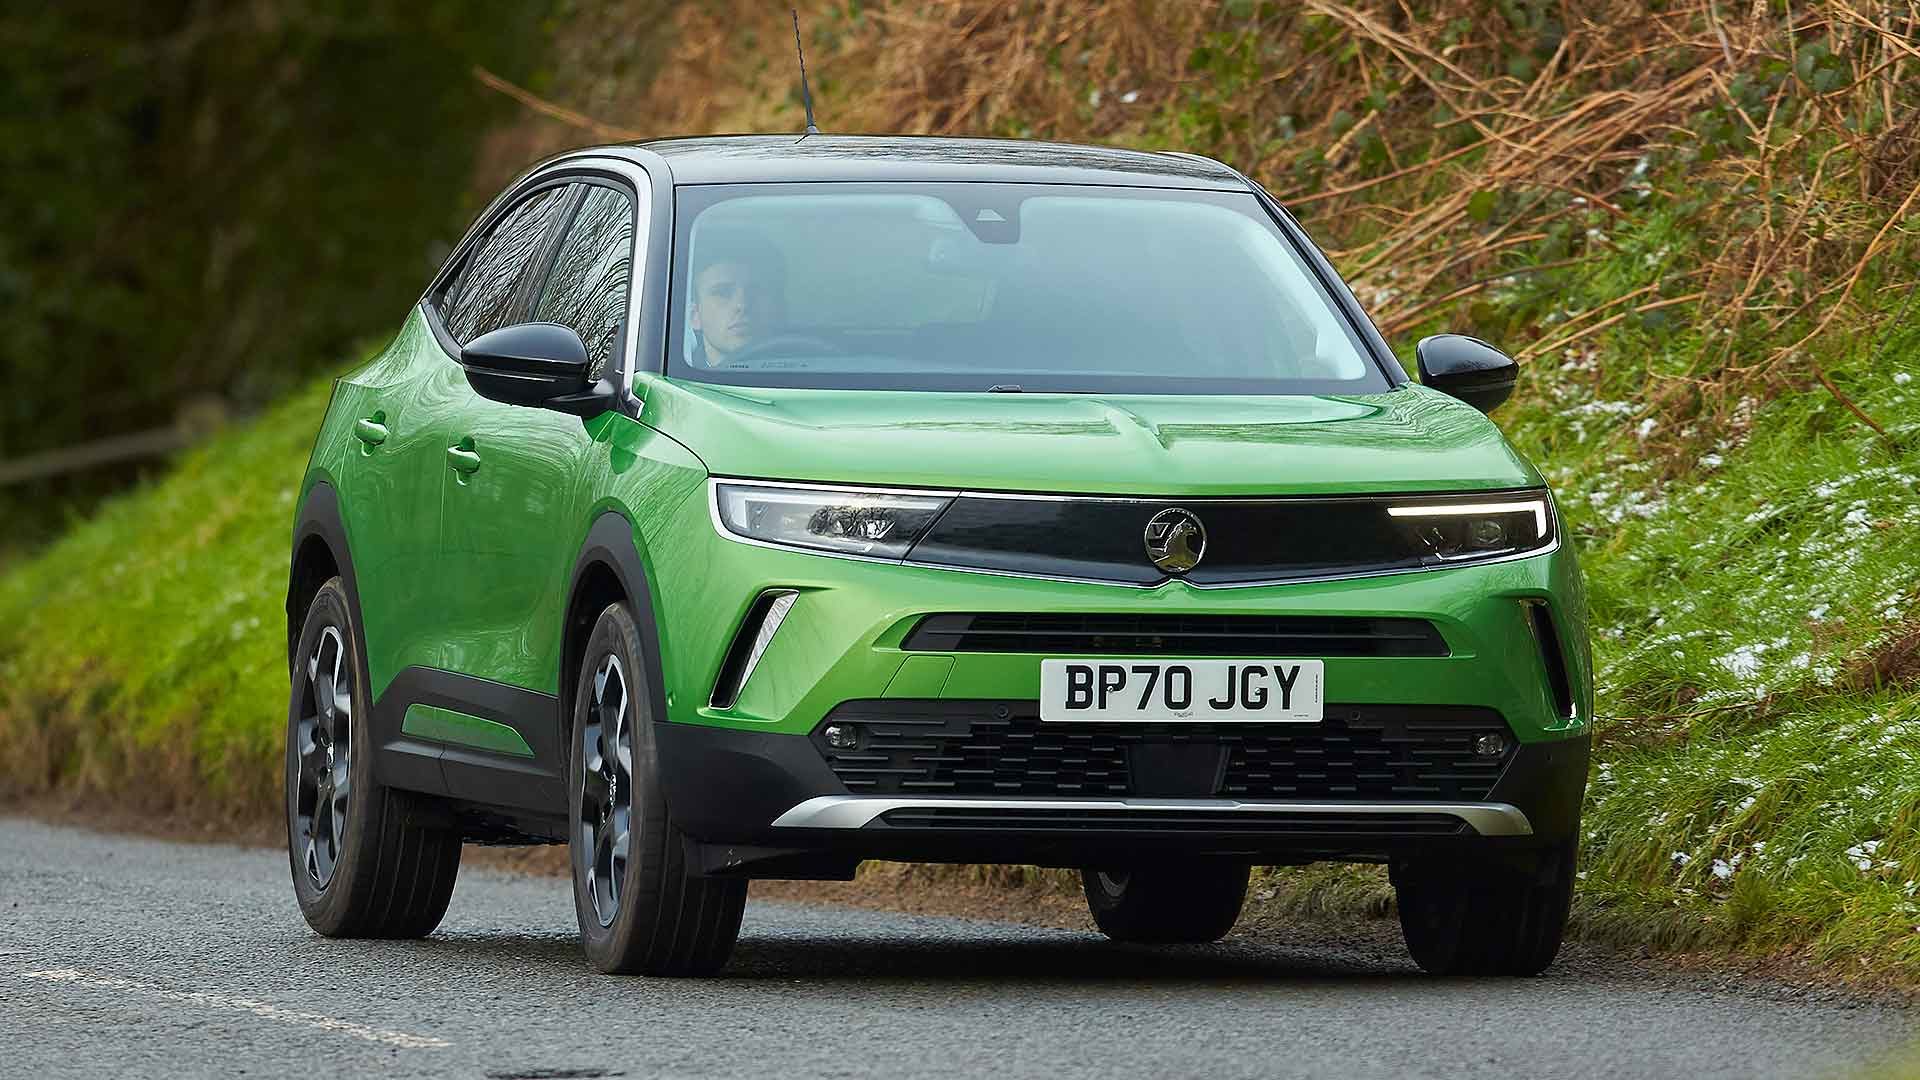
x=732, y=306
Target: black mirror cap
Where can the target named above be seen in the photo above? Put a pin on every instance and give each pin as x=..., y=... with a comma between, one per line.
x=538, y=364
x=1466, y=368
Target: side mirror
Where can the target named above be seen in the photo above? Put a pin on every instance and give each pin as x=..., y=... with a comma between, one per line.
x=1467, y=368
x=539, y=364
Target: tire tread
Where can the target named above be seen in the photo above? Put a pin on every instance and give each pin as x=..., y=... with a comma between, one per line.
x=671, y=920
x=1183, y=905
x=1481, y=917
x=398, y=866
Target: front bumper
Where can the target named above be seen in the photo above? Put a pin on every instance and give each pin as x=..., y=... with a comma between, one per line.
x=744, y=779
x=765, y=804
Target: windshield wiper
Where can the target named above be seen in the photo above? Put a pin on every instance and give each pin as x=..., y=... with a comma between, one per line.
x=1005, y=388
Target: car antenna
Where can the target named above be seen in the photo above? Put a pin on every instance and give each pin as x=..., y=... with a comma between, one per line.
x=806, y=95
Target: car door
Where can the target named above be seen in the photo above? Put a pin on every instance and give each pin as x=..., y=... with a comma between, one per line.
x=492, y=288
x=514, y=507
x=389, y=490
x=404, y=408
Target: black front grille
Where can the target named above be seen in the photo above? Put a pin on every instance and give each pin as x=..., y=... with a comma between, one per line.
x=1369, y=752
x=1104, y=539
x=1023, y=819
x=1177, y=635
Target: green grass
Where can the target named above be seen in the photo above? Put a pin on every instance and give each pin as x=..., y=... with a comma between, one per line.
x=142, y=658
x=1754, y=572
x=1760, y=765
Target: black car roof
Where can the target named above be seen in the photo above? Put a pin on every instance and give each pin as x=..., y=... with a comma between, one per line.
x=750, y=159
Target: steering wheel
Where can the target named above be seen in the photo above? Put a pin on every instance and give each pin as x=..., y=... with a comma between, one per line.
x=806, y=344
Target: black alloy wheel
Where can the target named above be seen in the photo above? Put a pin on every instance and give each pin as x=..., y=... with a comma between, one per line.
x=323, y=737
x=643, y=907
x=606, y=788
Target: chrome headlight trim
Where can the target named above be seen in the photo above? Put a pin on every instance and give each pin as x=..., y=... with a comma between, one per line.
x=872, y=523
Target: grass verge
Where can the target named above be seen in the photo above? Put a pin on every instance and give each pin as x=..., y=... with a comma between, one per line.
x=143, y=656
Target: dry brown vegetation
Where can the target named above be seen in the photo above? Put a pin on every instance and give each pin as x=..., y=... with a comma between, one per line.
x=1438, y=149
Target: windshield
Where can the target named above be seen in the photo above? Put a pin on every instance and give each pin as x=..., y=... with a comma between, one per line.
x=1006, y=287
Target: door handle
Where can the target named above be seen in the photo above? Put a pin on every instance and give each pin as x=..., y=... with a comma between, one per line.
x=463, y=459
x=372, y=430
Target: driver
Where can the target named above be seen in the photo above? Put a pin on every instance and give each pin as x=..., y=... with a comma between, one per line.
x=738, y=285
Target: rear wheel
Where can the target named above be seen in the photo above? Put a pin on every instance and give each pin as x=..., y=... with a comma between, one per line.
x=641, y=908
x=1486, y=916
x=1167, y=905
x=367, y=860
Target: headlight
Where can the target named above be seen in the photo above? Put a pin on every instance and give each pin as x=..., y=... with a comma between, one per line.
x=1460, y=529
x=881, y=524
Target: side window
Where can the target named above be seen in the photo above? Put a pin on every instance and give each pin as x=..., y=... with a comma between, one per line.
x=491, y=289
x=587, y=288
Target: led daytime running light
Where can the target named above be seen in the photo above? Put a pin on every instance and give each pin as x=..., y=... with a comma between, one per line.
x=1537, y=506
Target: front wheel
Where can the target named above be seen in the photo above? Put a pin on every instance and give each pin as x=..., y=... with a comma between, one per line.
x=1166, y=905
x=1486, y=916
x=642, y=909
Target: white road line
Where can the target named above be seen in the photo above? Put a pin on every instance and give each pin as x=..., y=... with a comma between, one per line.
x=247, y=1005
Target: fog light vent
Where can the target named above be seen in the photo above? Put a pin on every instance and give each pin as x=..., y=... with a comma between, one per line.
x=842, y=736
x=1547, y=637
x=1490, y=745
x=750, y=642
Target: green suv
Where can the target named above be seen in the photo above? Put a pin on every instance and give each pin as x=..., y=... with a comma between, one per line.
x=749, y=507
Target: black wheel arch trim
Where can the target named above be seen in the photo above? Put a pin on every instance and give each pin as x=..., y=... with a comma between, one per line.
x=319, y=520
x=610, y=545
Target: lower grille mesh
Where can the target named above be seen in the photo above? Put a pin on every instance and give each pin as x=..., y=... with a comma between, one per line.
x=935, y=747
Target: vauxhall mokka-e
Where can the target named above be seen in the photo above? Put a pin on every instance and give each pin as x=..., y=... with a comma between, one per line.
x=749, y=507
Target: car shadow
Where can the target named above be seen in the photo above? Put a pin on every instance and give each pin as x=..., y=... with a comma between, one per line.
x=955, y=955
x=1054, y=957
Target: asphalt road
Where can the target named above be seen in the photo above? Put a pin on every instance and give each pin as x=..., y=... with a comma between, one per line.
x=131, y=957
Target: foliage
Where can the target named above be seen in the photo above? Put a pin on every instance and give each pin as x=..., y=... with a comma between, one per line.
x=1759, y=652
x=217, y=200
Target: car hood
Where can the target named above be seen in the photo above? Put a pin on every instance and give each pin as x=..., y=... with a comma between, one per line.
x=1410, y=439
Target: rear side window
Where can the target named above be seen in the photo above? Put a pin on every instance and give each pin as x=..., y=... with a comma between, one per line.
x=587, y=288
x=492, y=289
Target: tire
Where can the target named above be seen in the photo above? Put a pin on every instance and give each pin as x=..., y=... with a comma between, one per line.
x=1166, y=905
x=1486, y=916
x=376, y=863
x=641, y=907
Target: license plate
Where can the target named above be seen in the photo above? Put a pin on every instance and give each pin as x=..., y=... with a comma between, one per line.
x=1190, y=691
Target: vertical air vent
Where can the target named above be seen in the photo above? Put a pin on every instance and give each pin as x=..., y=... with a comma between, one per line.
x=1552, y=656
x=750, y=642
